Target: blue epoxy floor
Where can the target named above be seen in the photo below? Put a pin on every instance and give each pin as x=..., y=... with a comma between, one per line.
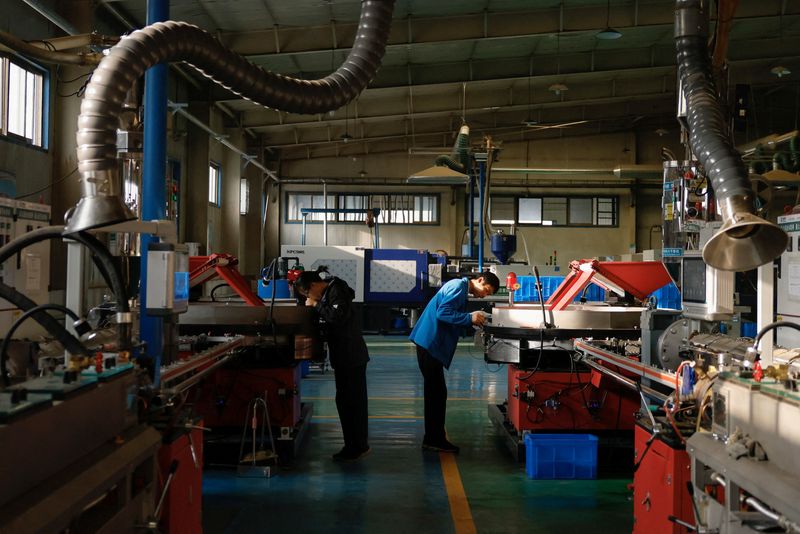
x=398, y=487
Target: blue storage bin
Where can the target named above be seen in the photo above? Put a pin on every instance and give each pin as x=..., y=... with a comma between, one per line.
x=527, y=289
x=305, y=368
x=281, y=289
x=749, y=329
x=561, y=456
x=667, y=297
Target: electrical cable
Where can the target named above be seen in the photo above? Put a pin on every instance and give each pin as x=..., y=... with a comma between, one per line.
x=56, y=329
x=45, y=188
x=105, y=264
x=214, y=290
x=17, y=323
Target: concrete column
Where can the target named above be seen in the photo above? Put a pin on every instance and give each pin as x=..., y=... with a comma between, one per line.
x=196, y=176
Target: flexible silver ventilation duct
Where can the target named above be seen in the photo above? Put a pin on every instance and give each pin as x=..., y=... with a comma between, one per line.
x=458, y=160
x=100, y=203
x=745, y=240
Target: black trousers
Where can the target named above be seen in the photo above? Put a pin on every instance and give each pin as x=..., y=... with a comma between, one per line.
x=351, y=403
x=435, y=391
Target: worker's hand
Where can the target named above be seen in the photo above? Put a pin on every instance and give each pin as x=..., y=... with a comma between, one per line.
x=311, y=302
x=478, y=319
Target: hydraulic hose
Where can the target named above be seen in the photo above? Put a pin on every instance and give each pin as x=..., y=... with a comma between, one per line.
x=745, y=241
x=100, y=255
x=102, y=259
x=56, y=329
x=100, y=203
x=17, y=323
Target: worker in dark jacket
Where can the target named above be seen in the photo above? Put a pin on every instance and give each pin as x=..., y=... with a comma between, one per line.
x=436, y=336
x=333, y=300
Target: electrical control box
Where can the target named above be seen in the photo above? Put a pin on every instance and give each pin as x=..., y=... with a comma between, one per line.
x=167, y=280
x=28, y=271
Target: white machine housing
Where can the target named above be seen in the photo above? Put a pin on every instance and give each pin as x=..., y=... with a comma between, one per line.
x=344, y=262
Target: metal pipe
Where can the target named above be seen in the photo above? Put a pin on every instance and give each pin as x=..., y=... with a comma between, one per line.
x=153, y=197
x=481, y=196
x=716, y=477
x=471, y=216
x=745, y=240
x=100, y=203
x=784, y=522
x=653, y=394
x=75, y=41
x=180, y=109
x=49, y=56
x=325, y=215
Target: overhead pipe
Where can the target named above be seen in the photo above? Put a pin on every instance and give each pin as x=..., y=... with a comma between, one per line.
x=221, y=139
x=75, y=41
x=745, y=240
x=101, y=203
x=49, y=56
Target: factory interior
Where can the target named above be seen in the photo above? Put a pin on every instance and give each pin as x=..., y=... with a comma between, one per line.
x=252, y=250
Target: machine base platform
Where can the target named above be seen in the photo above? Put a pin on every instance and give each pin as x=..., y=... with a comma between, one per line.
x=615, y=454
x=221, y=447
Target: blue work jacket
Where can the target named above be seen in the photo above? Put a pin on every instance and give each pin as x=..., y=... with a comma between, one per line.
x=443, y=321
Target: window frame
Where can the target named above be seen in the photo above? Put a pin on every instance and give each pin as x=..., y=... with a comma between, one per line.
x=41, y=111
x=217, y=200
x=341, y=218
x=595, y=216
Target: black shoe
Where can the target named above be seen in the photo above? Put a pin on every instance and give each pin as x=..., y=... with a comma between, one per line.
x=441, y=445
x=350, y=455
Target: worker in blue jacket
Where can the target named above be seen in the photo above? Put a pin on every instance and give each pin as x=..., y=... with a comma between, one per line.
x=436, y=336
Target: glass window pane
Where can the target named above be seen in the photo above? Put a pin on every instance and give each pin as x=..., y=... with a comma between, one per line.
x=30, y=86
x=580, y=211
x=606, y=211
x=213, y=184
x=16, y=99
x=530, y=211
x=501, y=210
x=425, y=209
x=554, y=211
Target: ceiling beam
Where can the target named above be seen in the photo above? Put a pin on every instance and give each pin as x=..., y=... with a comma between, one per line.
x=486, y=27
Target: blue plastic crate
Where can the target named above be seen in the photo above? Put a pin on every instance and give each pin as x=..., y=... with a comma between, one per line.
x=667, y=297
x=527, y=289
x=561, y=456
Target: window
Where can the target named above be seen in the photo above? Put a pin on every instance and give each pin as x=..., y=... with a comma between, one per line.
x=501, y=210
x=300, y=201
x=530, y=211
x=22, y=102
x=605, y=211
x=396, y=208
x=214, y=184
x=552, y=211
x=244, y=196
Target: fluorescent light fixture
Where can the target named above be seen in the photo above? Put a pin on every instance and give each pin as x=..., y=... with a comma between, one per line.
x=609, y=34
x=503, y=221
x=438, y=175
x=558, y=88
